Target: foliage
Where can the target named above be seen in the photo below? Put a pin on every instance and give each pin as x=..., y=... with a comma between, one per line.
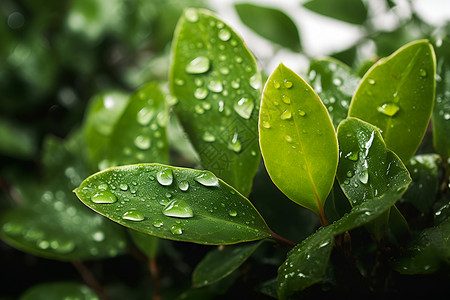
x=137, y=157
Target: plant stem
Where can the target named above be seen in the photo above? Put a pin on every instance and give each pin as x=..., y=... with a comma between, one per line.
x=155, y=276
x=89, y=279
x=281, y=240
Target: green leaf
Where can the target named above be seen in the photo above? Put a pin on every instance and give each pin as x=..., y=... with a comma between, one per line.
x=351, y=11
x=441, y=110
x=218, y=86
x=306, y=263
x=335, y=83
x=363, y=170
x=424, y=170
x=297, y=138
x=146, y=243
x=270, y=23
x=139, y=135
x=173, y=203
x=59, y=290
x=221, y=262
x=428, y=252
x=397, y=95
x=103, y=112
x=52, y=223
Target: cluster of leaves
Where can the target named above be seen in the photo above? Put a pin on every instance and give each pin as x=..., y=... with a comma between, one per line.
x=356, y=152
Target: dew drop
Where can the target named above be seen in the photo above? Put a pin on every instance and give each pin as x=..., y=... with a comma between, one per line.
x=199, y=109
x=288, y=138
x=244, y=107
x=286, y=115
x=353, y=156
x=235, y=84
x=364, y=176
x=302, y=113
x=215, y=86
x=266, y=124
x=176, y=229
x=183, y=185
x=198, y=65
x=224, y=34
x=144, y=116
x=235, y=144
x=201, y=93
x=224, y=70
x=286, y=99
x=123, y=186
x=371, y=81
x=165, y=177
x=178, y=208
x=207, y=179
x=349, y=174
x=287, y=84
x=157, y=223
x=179, y=81
x=142, y=142
x=276, y=84
x=423, y=73
x=133, y=215
x=191, y=15
x=208, y=137
x=104, y=197
x=388, y=109
x=255, y=81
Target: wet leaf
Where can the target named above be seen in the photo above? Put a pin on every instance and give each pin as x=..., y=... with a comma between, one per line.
x=59, y=290
x=219, y=263
x=139, y=134
x=351, y=11
x=397, y=95
x=306, y=263
x=297, y=138
x=335, y=84
x=173, y=203
x=218, y=86
x=428, y=252
x=270, y=23
x=441, y=110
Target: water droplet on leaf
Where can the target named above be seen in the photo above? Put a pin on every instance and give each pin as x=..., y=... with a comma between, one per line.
x=133, y=215
x=215, y=86
x=302, y=113
x=157, y=223
x=191, y=15
x=198, y=65
x=208, y=137
x=286, y=115
x=201, y=93
x=244, y=107
x=123, y=186
x=207, y=179
x=224, y=34
x=142, y=142
x=144, y=116
x=232, y=213
x=353, y=156
x=286, y=99
x=176, y=229
x=255, y=81
x=287, y=84
x=183, y=185
x=266, y=124
x=235, y=144
x=364, y=176
x=104, y=197
x=388, y=109
x=423, y=73
x=165, y=177
x=178, y=208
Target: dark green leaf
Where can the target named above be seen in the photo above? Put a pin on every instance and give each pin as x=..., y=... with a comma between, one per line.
x=139, y=135
x=17, y=141
x=351, y=11
x=335, y=84
x=221, y=262
x=146, y=243
x=397, y=95
x=218, y=86
x=173, y=203
x=427, y=252
x=425, y=181
x=306, y=263
x=441, y=110
x=297, y=138
x=58, y=291
x=270, y=23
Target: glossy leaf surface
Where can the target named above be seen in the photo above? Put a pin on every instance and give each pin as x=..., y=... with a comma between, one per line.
x=59, y=290
x=351, y=11
x=441, y=110
x=219, y=263
x=173, y=203
x=270, y=23
x=306, y=263
x=428, y=252
x=139, y=135
x=297, y=138
x=335, y=83
x=218, y=86
x=397, y=95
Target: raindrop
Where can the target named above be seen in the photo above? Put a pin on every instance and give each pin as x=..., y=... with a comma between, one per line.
x=215, y=86
x=288, y=138
x=276, y=84
x=179, y=81
x=176, y=229
x=235, y=84
x=224, y=34
x=349, y=174
x=183, y=185
x=286, y=115
x=224, y=70
x=178, y=208
x=302, y=113
x=157, y=223
x=235, y=144
x=244, y=107
x=423, y=73
x=198, y=65
x=208, y=137
x=286, y=99
x=199, y=110
x=123, y=186
x=207, y=179
x=255, y=81
x=388, y=109
x=266, y=124
x=142, y=142
x=191, y=15
x=364, y=176
x=165, y=177
x=104, y=197
x=103, y=186
x=353, y=156
x=133, y=215
x=371, y=81
x=201, y=93
x=144, y=116
x=287, y=84
x=238, y=59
